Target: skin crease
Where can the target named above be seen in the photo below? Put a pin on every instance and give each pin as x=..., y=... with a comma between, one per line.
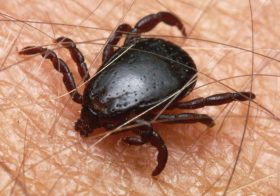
x=41, y=153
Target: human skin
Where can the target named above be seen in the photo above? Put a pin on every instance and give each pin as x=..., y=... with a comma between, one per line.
x=40, y=153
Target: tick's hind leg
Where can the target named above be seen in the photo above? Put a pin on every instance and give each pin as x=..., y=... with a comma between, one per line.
x=76, y=55
x=60, y=66
x=217, y=99
x=150, y=135
x=151, y=21
x=186, y=118
x=113, y=40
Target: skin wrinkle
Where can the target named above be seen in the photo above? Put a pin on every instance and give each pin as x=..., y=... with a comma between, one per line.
x=41, y=153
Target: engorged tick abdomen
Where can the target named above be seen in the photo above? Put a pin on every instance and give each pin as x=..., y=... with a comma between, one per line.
x=141, y=77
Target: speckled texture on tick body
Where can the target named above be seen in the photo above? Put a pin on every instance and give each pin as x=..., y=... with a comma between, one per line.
x=144, y=75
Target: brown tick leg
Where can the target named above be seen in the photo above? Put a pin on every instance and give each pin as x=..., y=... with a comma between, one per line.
x=134, y=140
x=157, y=142
x=151, y=21
x=150, y=135
x=186, y=118
x=113, y=40
x=76, y=55
x=60, y=66
x=217, y=99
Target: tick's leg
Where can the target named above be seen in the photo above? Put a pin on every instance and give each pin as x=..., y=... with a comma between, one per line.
x=113, y=40
x=150, y=135
x=217, y=99
x=60, y=66
x=149, y=22
x=186, y=118
x=76, y=55
x=134, y=140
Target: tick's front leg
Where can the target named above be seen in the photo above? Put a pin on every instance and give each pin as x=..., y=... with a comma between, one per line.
x=150, y=135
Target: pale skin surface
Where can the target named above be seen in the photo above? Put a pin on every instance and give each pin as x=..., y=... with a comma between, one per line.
x=37, y=114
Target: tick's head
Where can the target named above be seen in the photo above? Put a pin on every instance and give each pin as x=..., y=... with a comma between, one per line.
x=87, y=122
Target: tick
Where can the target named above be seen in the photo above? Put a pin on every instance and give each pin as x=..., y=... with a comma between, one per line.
x=140, y=75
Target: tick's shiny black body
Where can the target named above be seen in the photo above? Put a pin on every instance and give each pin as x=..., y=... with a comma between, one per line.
x=134, y=78
x=142, y=76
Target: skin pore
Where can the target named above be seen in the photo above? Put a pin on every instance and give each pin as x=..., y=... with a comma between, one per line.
x=41, y=153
